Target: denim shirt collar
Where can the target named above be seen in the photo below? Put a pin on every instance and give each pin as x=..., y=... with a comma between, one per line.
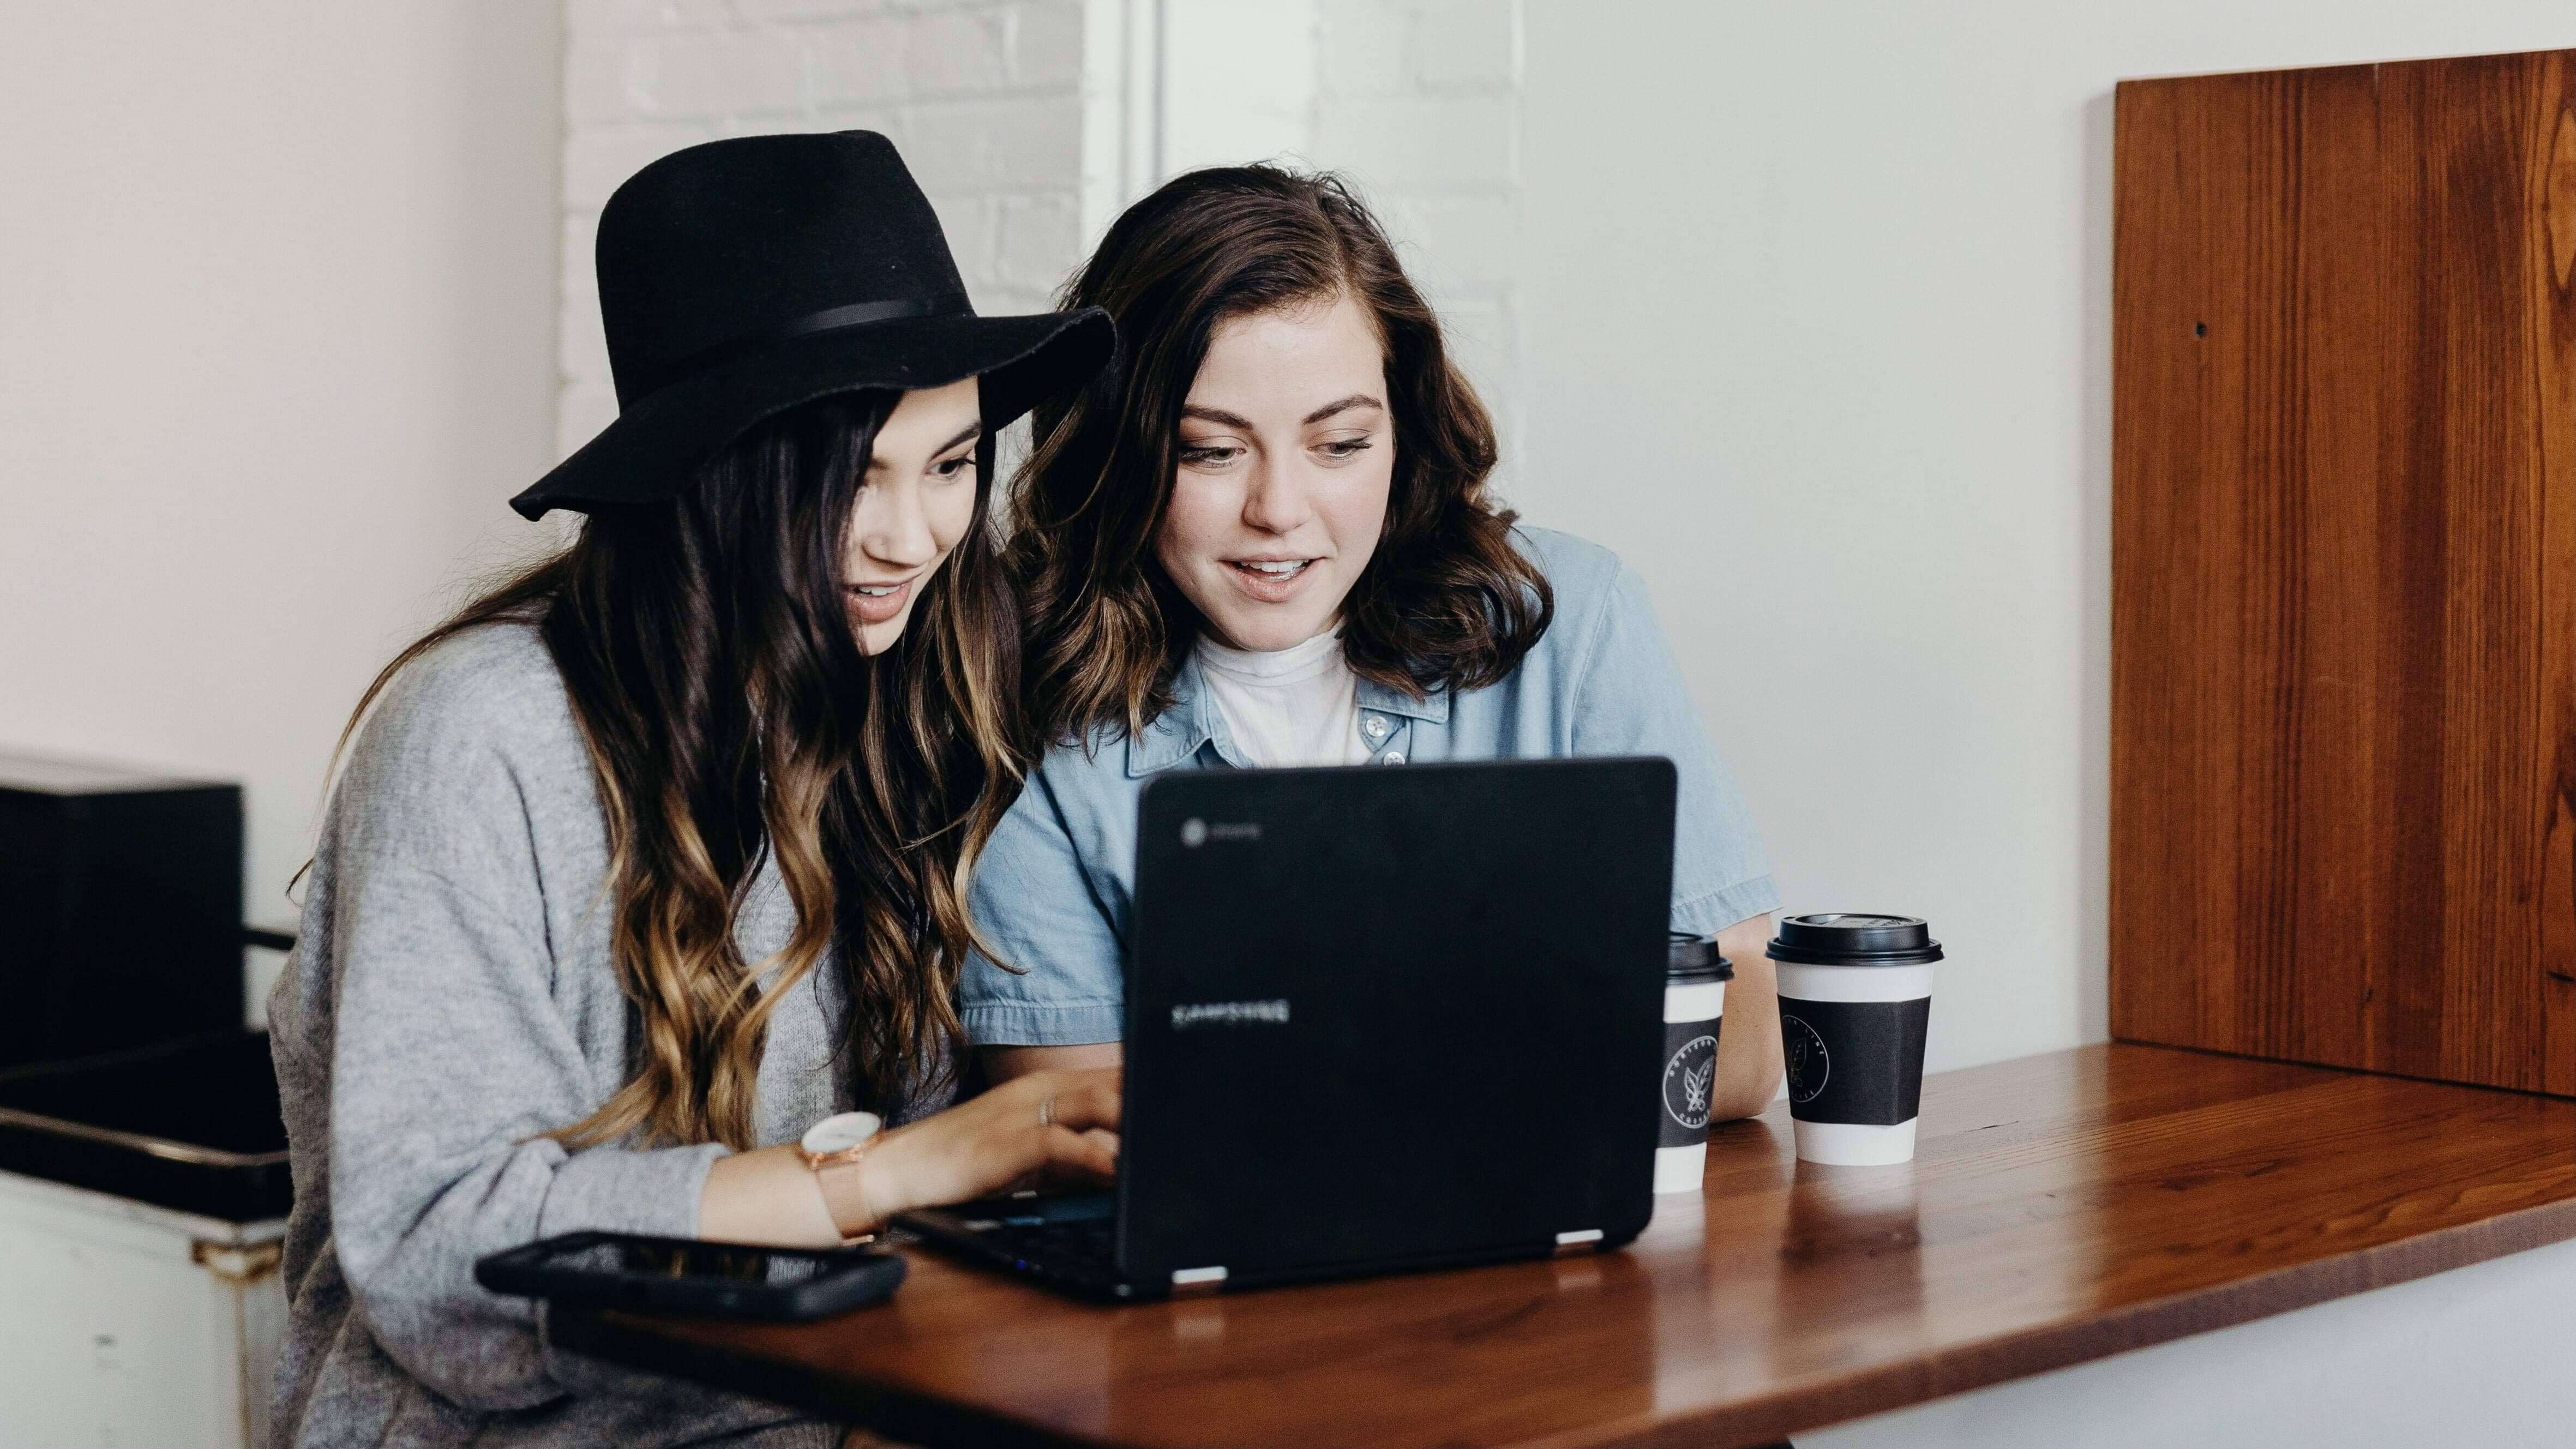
x=1432, y=708
x=1194, y=721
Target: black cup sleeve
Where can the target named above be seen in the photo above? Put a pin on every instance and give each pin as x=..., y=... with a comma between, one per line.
x=1690, y=1075
x=1857, y=1062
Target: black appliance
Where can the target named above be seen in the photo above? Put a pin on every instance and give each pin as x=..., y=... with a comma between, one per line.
x=193, y=1125
x=120, y=909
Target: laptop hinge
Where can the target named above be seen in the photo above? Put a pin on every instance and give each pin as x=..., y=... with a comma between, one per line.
x=1197, y=1280
x=1576, y=1242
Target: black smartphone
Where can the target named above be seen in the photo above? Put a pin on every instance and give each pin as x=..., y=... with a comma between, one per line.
x=685, y=1275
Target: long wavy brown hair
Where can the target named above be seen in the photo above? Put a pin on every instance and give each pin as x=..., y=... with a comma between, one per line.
x=731, y=717
x=1446, y=599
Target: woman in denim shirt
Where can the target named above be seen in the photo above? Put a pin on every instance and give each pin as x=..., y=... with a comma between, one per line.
x=1262, y=538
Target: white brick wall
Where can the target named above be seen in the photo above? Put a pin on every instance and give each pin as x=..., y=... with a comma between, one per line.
x=984, y=97
x=1417, y=100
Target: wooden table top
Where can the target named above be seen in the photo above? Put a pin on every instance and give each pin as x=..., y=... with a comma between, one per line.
x=2061, y=1208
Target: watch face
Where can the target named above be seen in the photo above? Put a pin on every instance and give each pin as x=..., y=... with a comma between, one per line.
x=835, y=1134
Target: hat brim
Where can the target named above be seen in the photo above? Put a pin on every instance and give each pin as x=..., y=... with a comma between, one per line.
x=654, y=447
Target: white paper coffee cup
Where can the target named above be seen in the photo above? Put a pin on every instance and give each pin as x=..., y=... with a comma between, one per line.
x=1855, y=1004
x=1694, y=1011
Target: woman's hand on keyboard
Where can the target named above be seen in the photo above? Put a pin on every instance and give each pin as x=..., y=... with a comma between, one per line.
x=1059, y=1125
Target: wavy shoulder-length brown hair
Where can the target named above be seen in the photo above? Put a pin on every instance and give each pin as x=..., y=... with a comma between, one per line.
x=1446, y=600
x=731, y=717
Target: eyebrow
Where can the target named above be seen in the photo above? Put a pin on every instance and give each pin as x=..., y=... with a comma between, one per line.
x=971, y=430
x=1355, y=400
x=1218, y=416
x=1226, y=419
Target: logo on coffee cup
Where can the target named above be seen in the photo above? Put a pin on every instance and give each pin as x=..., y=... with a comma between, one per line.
x=1687, y=1078
x=1808, y=1064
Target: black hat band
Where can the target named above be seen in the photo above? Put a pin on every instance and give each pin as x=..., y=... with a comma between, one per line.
x=830, y=319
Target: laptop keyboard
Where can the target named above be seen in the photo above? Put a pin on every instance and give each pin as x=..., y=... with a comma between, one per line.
x=1071, y=1243
x=1088, y=1246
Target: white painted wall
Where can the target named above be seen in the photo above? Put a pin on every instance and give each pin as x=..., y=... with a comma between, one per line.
x=1814, y=306
x=2474, y=1357
x=1416, y=102
x=276, y=343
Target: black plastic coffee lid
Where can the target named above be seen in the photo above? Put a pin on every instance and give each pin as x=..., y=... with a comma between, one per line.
x=1694, y=959
x=1848, y=938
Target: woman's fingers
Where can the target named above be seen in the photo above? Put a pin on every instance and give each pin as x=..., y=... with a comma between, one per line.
x=1081, y=1140
x=1083, y=1100
x=1093, y=1153
x=1044, y=1124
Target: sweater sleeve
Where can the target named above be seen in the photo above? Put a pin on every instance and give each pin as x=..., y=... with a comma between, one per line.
x=449, y=1058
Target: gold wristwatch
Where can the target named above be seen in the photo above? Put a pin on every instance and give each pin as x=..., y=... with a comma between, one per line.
x=839, y=1141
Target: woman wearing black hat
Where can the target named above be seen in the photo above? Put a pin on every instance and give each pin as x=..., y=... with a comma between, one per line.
x=639, y=904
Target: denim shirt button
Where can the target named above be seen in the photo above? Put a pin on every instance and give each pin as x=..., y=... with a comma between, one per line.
x=1391, y=757
x=1375, y=726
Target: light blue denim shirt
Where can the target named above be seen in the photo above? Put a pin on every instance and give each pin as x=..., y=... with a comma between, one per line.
x=1053, y=888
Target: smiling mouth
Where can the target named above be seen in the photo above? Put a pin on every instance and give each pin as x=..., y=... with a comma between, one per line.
x=1271, y=569
x=877, y=603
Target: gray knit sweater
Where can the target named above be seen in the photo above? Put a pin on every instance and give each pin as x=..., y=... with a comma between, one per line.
x=450, y=999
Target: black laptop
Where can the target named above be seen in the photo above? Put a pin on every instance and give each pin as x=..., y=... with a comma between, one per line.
x=1377, y=1020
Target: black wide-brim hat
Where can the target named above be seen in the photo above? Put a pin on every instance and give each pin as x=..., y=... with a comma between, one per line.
x=741, y=278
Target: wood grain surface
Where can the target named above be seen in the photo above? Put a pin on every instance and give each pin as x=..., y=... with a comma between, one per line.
x=2061, y=1208
x=2343, y=685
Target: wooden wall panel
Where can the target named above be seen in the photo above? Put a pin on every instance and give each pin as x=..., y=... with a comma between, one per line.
x=2343, y=755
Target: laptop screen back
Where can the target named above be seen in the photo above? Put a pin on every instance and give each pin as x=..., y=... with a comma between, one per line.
x=1380, y=1018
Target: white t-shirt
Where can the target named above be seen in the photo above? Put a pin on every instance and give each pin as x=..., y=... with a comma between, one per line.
x=1294, y=706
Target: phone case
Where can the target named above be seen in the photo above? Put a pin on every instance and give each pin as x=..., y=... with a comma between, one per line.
x=849, y=1278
